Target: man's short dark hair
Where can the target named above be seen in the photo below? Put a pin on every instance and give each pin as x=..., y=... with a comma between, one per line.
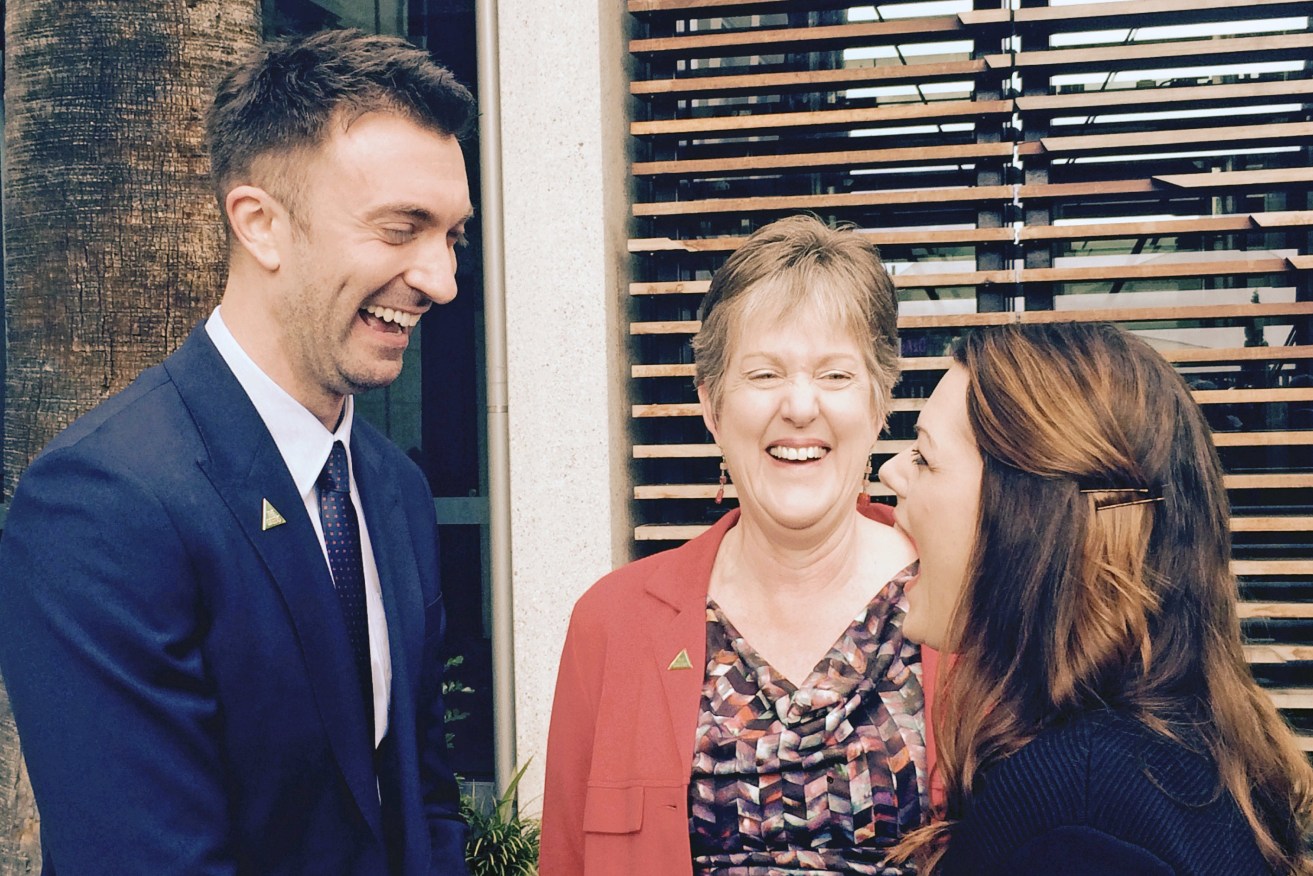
x=278, y=103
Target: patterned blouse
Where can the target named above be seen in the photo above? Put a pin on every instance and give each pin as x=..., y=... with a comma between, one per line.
x=816, y=779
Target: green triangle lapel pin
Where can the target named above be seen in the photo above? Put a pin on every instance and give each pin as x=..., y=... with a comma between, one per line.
x=681, y=660
x=270, y=518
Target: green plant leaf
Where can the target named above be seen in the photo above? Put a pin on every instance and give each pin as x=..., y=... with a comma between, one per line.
x=501, y=842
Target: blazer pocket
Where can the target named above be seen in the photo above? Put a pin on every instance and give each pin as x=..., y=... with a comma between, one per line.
x=613, y=810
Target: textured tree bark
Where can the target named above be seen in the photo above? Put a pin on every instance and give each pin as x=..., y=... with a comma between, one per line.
x=114, y=246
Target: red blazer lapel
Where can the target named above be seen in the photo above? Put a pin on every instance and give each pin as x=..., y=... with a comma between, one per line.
x=677, y=642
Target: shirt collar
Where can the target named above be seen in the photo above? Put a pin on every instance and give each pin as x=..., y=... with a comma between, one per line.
x=301, y=438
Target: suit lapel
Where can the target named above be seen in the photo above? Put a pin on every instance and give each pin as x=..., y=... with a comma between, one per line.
x=246, y=469
x=682, y=584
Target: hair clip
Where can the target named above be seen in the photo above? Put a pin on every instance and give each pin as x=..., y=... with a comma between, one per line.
x=1125, y=504
x=1142, y=490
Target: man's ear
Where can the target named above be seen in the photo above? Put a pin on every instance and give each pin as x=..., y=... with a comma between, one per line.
x=708, y=412
x=257, y=219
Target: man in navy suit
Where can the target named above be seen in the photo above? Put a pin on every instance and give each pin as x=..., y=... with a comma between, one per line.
x=219, y=601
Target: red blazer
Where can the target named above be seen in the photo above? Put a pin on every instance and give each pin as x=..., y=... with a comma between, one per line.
x=620, y=747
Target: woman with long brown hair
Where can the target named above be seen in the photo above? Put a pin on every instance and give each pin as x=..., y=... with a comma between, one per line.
x=1098, y=717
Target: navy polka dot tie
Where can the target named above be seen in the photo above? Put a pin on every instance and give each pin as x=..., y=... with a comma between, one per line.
x=342, y=538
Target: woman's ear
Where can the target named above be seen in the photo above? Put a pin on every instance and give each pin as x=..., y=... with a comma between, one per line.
x=257, y=220
x=708, y=412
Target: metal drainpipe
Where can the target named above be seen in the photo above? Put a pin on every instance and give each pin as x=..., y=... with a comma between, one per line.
x=499, y=462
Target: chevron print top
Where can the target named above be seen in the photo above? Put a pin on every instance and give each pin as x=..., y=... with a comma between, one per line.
x=816, y=779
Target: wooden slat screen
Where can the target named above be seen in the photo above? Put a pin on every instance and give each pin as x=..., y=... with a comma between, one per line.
x=1148, y=162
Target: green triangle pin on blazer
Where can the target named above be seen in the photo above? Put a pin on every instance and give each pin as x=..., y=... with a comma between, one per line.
x=271, y=518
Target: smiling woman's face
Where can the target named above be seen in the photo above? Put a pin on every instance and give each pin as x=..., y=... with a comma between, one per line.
x=937, y=482
x=796, y=422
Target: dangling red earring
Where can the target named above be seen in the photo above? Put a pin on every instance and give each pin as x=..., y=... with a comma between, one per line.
x=864, y=497
x=720, y=493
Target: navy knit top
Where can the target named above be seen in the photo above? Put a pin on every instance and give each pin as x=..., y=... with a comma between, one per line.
x=1103, y=794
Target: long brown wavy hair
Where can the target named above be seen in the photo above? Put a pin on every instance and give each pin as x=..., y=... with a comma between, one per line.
x=1071, y=604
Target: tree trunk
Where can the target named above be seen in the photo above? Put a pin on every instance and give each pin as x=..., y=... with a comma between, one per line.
x=113, y=243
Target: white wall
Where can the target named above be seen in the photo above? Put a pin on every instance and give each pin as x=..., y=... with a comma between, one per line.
x=566, y=208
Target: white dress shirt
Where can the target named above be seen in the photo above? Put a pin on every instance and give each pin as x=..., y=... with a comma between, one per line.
x=304, y=444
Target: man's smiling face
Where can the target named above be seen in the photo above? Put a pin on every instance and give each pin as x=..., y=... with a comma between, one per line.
x=381, y=208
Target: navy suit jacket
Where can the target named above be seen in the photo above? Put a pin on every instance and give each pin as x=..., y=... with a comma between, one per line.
x=181, y=676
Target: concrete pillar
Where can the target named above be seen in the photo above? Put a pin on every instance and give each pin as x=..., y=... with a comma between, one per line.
x=564, y=87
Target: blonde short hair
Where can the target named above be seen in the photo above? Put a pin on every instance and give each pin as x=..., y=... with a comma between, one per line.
x=801, y=266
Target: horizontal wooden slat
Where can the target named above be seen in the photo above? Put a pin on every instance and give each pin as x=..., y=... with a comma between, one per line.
x=1116, y=14
x=1291, y=697
x=1171, y=313
x=665, y=327
x=1125, y=56
x=1266, y=655
x=940, y=110
x=1274, y=221
x=1186, y=355
x=670, y=287
x=724, y=7
x=925, y=363
x=880, y=238
x=672, y=409
x=668, y=532
x=785, y=203
x=761, y=40
x=1271, y=654
x=1283, y=481
x=1279, y=176
x=1099, y=273
x=958, y=153
x=797, y=80
x=965, y=153
x=1283, y=394
x=1144, y=271
x=1143, y=12
x=1261, y=439
x=1250, y=134
x=675, y=451
x=1203, y=397
x=1074, y=17
x=1245, y=568
x=990, y=195
x=1091, y=274
x=1276, y=610
x=1242, y=93
x=848, y=158
x=889, y=447
x=1284, y=523
x=680, y=369
x=1238, y=354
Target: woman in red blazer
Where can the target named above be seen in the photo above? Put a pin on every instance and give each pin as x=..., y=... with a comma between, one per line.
x=747, y=701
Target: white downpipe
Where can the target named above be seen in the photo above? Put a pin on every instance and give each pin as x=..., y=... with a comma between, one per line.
x=499, y=463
